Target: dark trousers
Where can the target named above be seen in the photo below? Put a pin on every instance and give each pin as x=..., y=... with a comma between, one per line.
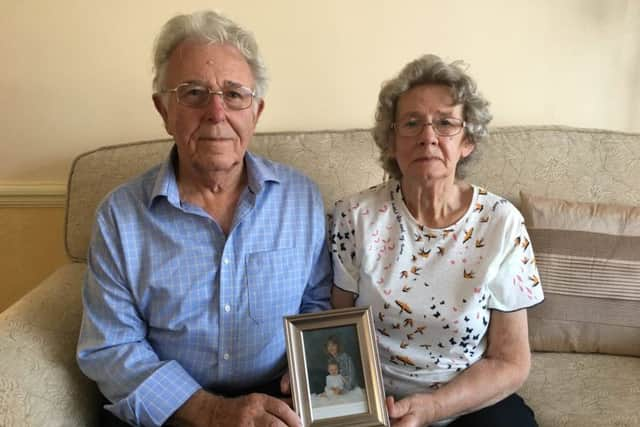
x=107, y=419
x=510, y=412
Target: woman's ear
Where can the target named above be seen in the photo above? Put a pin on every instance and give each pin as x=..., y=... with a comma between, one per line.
x=392, y=145
x=467, y=147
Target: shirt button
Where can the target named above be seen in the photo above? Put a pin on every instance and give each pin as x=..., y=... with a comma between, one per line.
x=226, y=356
x=226, y=260
x=227, y=308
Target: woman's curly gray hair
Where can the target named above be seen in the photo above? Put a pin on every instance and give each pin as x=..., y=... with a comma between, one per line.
x=210, y=27
x=430, y=69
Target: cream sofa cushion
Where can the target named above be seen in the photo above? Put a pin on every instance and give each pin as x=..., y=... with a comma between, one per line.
x=589, y=261
x=40, y=382
x=583, y=390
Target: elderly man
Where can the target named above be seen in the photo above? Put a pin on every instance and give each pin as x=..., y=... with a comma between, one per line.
x=193, y=264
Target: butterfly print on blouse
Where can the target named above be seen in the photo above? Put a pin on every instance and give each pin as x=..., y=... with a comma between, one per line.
x=404, y=359
x=404, y=307
x=467, y=235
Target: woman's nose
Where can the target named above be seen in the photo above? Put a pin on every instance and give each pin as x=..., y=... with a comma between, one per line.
x=428, y=134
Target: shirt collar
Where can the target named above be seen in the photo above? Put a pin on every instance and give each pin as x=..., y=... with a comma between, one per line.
x=259, y=171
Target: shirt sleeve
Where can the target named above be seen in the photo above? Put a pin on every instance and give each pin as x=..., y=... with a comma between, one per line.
x=318, y=290
x=112, y=347
x=344, y=249
x=517, y=282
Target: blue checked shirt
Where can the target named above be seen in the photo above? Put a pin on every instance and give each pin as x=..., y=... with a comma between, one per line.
x=171, y=304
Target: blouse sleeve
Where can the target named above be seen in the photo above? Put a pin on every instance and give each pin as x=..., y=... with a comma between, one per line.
x=343, y=242
x=517, y=282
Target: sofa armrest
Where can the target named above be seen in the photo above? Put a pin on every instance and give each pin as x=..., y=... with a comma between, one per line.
x=40, y=383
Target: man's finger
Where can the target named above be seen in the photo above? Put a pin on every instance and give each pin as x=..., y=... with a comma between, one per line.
x=285, y=384
x=287, y=400
x=270, y=420
x=282, y=411
x=402, y=422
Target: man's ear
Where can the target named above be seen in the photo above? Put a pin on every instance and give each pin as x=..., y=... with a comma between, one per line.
x=259, y=109
x=161, y=109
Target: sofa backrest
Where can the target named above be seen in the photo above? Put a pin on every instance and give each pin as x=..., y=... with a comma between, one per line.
x=570, y=163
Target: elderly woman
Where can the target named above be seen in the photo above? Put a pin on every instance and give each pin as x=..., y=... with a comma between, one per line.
x=446, y=266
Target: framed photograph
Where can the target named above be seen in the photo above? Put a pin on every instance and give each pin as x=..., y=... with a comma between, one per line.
x=334, y=368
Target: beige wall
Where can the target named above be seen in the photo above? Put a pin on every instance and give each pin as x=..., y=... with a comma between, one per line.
x=32, y=247
x=76, y=75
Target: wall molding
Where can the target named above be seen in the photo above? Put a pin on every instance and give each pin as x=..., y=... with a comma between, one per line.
x=33, y=195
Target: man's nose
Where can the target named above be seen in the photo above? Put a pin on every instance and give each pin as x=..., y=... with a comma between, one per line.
x=215, y=109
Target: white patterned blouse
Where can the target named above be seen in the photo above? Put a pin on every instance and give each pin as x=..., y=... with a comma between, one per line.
x=431, y=290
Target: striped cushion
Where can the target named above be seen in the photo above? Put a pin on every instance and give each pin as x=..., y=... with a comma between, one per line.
x=588, y=256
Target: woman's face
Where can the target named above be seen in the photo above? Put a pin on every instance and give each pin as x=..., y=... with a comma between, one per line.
x=428, y=156
x=332, y=348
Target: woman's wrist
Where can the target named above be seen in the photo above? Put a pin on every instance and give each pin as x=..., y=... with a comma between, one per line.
x=428, y=407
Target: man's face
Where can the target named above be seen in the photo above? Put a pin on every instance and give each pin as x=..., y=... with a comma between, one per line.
x=214, y=138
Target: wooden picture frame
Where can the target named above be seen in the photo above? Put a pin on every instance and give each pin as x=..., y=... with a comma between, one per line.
x=334, y=368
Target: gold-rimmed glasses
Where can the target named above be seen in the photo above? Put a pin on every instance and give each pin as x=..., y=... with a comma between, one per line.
x=197, y=95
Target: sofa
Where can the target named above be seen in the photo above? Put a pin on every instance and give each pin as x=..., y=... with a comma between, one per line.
x=585, y=342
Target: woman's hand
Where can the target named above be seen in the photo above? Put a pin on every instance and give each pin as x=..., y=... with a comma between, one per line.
x=416, y=410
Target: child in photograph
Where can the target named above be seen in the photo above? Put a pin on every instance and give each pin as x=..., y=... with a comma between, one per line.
x=335, y=381
x=345, y=364
x=341, y=393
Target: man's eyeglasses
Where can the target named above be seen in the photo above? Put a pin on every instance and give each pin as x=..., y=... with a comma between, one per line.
x=195, y=95
x=446, y=126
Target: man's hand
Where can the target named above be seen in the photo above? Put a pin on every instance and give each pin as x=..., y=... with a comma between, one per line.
x=412, y=411
x=285, y=384
x=253, y=410
x=285, y=389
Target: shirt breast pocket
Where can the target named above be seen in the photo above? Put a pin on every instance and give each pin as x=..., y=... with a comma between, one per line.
x=275, y=283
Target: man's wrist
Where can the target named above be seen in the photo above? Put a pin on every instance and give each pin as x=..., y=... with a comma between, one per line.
x=199, y=410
